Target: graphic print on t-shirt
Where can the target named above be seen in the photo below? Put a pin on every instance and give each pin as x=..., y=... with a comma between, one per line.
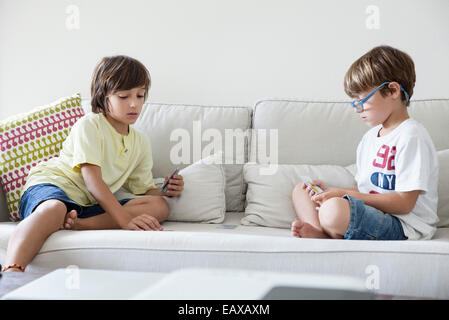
x=384, y=160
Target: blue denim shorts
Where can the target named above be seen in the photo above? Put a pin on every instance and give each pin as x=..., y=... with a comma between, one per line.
x=39, y=193
x=368, y=223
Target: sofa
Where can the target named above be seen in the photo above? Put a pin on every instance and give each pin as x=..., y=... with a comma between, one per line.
x=313, y=138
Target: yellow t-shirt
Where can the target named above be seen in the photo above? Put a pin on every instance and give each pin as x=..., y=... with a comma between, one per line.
x=125, y=160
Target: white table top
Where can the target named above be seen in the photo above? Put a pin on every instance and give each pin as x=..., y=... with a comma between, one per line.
x=188, y=284
x=85, y=284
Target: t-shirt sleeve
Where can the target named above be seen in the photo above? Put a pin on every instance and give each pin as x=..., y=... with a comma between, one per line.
x=86, y=144
x=359, y=160
x=141, y=179
x=413, y=165
x=358, y=163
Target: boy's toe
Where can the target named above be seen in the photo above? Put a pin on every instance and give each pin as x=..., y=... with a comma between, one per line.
x=297, y=224
x=70, y=220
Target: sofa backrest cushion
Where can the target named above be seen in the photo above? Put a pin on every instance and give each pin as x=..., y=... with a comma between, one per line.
x=328, y=132
x=4, y=211
x=187, y=133
x=443, y=188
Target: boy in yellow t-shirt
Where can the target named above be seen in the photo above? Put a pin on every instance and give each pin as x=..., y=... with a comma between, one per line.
x=101, y=154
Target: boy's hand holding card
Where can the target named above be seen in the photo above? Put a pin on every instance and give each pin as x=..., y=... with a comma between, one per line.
x=173, y=185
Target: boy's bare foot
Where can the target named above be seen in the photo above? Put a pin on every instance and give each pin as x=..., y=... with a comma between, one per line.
x=70, y=220
x=305, y=230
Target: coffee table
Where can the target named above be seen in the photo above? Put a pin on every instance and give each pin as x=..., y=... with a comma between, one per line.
x=10, y=281
x=89, y=284
x=239, y=284
x=75, y=284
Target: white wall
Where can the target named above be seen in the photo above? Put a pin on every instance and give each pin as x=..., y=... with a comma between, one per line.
x=214, y=52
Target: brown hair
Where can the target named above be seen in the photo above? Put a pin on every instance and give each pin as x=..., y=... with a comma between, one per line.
x=113, y=74
x=379, y=65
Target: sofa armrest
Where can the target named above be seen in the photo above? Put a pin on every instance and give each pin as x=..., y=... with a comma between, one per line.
x=4, y=212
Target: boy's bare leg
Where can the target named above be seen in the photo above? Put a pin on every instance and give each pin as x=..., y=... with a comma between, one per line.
x=154, y=206
x=31, y=233
x=335, y=215
x=308, y=224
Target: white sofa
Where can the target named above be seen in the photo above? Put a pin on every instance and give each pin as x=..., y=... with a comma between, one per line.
x=411, y=268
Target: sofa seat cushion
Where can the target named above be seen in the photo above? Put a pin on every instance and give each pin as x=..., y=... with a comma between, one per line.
x=228, y=236
x=413, y=268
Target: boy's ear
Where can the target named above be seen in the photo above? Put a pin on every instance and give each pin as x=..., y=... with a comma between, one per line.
x=395, y=89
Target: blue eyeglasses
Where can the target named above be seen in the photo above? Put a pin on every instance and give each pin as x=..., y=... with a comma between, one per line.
x=358, y=104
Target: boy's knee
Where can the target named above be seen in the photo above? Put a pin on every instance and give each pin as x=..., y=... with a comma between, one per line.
x=51, y=213
x=51, y=207
x=297, y=190
x=333, y=215
x=163, y=205
x=159, y=205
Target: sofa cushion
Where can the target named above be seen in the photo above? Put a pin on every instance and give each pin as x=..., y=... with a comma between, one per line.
x=200, y=131
x=269, y=200
x=307, y=132
x=325, y=132
x=4, y=212
x=443, y=188
x=29, y=138
x=203, y=198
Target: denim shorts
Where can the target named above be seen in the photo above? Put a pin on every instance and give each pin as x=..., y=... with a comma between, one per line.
x=39, y=193
x=368, y=223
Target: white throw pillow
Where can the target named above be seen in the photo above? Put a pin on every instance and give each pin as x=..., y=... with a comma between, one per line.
x=203, y=197
x=443, y=188
x=269, y=197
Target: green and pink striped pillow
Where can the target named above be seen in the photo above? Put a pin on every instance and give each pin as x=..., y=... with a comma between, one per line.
x=29, y=138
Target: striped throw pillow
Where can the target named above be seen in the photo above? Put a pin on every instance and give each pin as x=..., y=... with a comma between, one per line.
x=29, y=138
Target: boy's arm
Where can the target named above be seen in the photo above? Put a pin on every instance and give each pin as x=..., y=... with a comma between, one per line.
x=154, y=192
x=100, y=191
x=353, y=189
x=395, y=203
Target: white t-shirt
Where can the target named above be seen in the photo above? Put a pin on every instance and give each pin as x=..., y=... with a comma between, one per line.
x=402, y=160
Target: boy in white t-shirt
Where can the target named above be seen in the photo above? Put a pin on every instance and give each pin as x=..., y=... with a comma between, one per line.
x=397, y=166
